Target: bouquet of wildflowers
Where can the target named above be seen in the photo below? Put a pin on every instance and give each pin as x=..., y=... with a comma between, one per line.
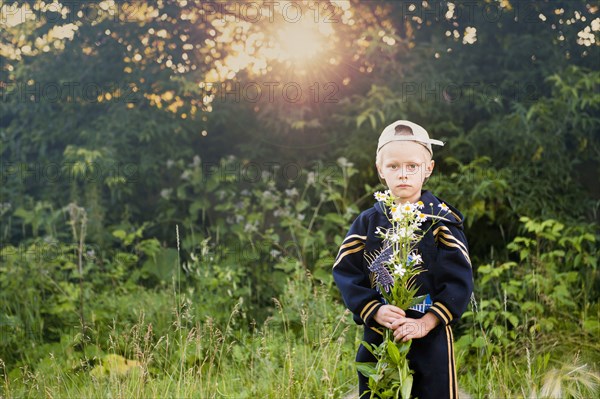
x=395, y=268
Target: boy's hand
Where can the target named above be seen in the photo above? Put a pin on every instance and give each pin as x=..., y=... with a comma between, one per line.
x=406, y=328
x=387, y=314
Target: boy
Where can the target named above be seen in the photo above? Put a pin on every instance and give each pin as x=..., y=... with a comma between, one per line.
x=404, y=162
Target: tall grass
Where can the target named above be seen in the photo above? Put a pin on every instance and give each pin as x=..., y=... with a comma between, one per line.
x=561, y=364
x=304, y=350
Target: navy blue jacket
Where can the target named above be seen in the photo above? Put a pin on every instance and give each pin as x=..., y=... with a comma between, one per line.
x=447, y=277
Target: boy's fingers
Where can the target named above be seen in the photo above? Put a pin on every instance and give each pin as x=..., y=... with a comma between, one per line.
x=403, y=338
x=399, y=335
x=398, y=322
x=390, y=322
x=404, y=331
x=397, y=310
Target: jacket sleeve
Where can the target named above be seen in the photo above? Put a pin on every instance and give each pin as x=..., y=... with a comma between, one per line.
x=453, y=277
x=352, y=277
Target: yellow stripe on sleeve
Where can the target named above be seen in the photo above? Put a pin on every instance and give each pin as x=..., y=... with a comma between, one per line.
x=445, y=232
x=350, y=244
x=355, y=236
x=364, y=314
x=444, y=309
x=439, y=313
x=348, y=252
x=454, y=245
x=453, y=239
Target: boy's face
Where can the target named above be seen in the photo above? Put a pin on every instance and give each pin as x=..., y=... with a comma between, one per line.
x=404, y=165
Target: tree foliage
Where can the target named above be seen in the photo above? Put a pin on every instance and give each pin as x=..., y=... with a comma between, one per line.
x=209, y=151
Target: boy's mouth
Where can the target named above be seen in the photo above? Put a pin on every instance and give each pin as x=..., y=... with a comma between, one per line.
x=403, y=185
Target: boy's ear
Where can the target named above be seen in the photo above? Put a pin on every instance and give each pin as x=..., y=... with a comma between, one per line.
x=379, y=173
x=429, y=168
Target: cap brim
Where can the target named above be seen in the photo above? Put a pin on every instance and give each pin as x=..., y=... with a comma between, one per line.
x=418, y=139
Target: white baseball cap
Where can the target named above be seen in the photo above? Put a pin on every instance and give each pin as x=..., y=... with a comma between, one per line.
x=406, y=131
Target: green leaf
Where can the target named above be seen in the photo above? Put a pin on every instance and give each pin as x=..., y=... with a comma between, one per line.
x=393, y=351
x=322, y=274
x=360, y=120
x=479, y=342
x=366, y=369
x=373, y=121
x=164, y=265
x=591, y=326
x=369, y=347
x=406, y=387
x=120, y=234
x=416, y=300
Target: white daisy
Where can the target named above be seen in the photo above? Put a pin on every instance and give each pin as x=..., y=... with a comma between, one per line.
x=407, y=207
x=397, y=214
x=379, y=196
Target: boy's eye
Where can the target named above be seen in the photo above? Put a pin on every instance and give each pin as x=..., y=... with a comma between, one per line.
x=411, y=167
x=393, y=167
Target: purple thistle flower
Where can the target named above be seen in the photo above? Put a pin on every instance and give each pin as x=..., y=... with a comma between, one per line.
x=382, y=275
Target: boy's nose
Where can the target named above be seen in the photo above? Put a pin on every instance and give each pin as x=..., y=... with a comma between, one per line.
x=402, y=174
